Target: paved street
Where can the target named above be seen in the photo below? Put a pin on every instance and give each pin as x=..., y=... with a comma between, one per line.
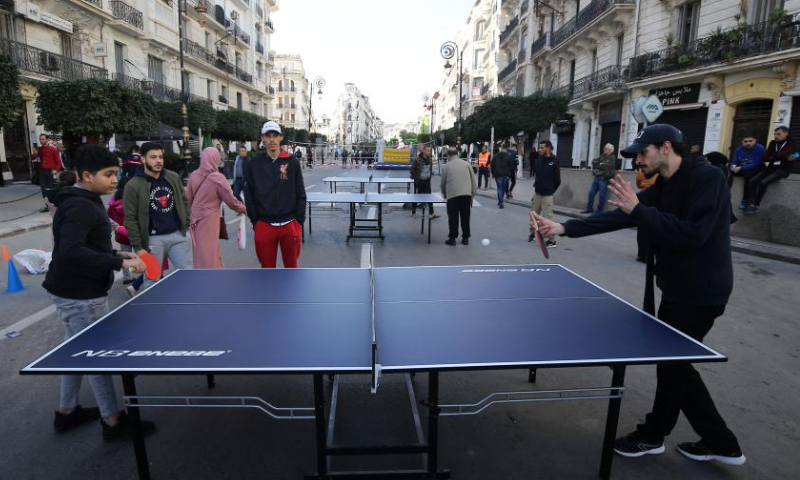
x=755, y=390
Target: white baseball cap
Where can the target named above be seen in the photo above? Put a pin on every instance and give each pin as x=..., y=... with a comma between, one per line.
x=271, y=127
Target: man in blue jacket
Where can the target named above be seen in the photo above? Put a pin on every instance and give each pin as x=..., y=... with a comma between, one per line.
x=686, y=216
x=746, y=163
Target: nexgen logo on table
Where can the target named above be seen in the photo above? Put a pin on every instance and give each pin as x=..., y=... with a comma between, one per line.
x=151, y=353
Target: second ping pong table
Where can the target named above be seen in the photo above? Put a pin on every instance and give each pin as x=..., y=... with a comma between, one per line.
x=333, y=182
x=372, y=321
x=366, y=227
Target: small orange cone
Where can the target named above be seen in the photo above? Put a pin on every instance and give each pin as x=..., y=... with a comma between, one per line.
x=4, y=256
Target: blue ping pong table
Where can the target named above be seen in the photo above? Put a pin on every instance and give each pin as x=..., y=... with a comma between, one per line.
x=371, y=321
x=334, y=181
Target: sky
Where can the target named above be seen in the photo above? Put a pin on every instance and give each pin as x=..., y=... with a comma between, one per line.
x=388, y=48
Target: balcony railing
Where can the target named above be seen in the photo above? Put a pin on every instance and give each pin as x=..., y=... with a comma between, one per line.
x=244, y=76
x=510, y=68
x=609, y=77
x=159, y=91
x=40, y=61
x=509, y=30
x=719, y=47
x=269, y=24
x=540, y=43
x=287, y=89
x=271, y=90
x=589, y=13
x=287, y=106
x=96, y=3
x=195, y=50
x=241, y=34
x=126, y=13
x=260, y=47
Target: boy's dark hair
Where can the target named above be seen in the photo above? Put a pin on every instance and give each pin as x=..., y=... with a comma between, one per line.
x=93, y=158
x=782, y=129
x=547, y=143
x=148, y=146
x=67, y=178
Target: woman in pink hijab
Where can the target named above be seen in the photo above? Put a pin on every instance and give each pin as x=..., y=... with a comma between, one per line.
x=206, y=190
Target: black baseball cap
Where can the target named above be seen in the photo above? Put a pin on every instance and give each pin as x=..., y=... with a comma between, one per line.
x=658, y=133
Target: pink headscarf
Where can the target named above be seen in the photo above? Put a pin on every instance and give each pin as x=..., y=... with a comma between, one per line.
x=209, y=160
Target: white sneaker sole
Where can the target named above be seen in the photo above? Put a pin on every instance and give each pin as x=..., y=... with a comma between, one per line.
x=654, y=451
x=707, y=458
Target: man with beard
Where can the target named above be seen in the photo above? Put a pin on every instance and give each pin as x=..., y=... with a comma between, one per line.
x=157, y=211
x=686, y=216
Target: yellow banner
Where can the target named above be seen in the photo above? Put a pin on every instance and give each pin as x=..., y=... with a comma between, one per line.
x=397, y=156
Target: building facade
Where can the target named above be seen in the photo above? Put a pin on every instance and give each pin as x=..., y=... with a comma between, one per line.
x=354, y=119
x=477, y=43
x=137, y=43
x=290, y=105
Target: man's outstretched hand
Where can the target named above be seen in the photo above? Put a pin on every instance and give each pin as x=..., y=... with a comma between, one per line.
x=626, y=198
x=547, y=228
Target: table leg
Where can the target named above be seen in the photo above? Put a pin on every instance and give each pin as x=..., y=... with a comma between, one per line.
x=532, y=375
x=612, y=419
x=433, y=421
x=430, y=219
x=422, y=221
x=210, y=381
x=139, y=447
x=321, y=434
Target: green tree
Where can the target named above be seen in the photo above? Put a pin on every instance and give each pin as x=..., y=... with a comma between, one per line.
x=301, y=136
x=201, y=115
x=94, y=107
x=424, y=138
x=237, y=126
x=10, y=98
x=511, y=115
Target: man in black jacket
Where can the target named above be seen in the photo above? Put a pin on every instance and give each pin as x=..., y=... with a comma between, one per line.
x=421, y=172
x=502, y=168
x=547, y=179
x=686, y=217
x=276, y=200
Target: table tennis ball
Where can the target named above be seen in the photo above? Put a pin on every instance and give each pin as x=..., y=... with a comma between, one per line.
x=485, y=242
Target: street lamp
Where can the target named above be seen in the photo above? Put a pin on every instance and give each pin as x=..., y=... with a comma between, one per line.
x=319, y=83
x=187, y=153
x=448, y=51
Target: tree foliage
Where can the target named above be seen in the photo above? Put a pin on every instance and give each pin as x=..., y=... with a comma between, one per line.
x=94, y=107
x=10, y=98
x=237, y=126
x=511, y=115
x=201, y=115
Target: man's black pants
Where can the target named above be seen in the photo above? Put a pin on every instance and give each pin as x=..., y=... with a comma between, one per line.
x=680, y=387
x=759, y=183
x=459, y=208
x=422, y=186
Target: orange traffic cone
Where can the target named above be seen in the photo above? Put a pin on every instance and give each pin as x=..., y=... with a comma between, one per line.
x=4, y=256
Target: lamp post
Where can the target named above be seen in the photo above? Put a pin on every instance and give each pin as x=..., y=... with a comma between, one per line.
x=448, y=51
x=319, y=83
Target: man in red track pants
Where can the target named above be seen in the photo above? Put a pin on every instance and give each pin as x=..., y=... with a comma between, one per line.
x=276, y=200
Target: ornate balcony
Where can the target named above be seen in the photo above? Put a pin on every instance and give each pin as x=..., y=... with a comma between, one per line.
x=540, y=44
x=268, y=23
x=609, y=77
x=96, y=3
x=721, y=46
x=127, y=14
x=590, y=13
x=506, y=34
x=508, y=70
x=159, y=91
x=42, y=62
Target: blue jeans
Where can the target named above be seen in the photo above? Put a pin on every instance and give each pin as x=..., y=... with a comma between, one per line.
x=76, y=315
x=599, y=183
x=238, y=185
x=502, y=187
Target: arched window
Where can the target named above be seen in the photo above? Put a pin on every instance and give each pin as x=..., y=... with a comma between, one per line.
x=480, y=29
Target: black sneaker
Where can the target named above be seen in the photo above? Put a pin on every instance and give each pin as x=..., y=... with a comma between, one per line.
x=465, y=241
x=124, y=428
x=500, y=205
x=700, y=452
x=637, y=444
x=551, y=244
x=451, y=242
x=63, y=423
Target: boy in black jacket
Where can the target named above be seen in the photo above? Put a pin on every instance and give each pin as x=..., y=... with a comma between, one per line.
x=276, y=200
x=686, y=216
x=80, y=275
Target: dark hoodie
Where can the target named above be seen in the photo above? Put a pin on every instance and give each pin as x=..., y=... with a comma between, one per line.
x=275, y=192
x=83, y=261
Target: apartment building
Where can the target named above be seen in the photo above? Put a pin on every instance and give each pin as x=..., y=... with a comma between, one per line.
x=137, y=42
x=290, y=105
x=354, y=119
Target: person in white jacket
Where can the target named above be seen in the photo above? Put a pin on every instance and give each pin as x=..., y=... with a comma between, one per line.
x=458, y=186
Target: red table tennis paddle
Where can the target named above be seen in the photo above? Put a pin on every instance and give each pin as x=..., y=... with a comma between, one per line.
x=539, y=238
x=152, y=266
